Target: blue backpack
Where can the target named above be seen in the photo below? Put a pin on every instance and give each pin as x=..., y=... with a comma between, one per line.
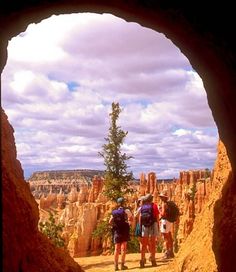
x=147, y=216
x=119, y=217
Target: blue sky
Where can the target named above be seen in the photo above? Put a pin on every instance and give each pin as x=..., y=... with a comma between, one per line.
x=62, y=76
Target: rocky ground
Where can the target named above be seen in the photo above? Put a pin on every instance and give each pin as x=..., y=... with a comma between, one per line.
x=105, y=264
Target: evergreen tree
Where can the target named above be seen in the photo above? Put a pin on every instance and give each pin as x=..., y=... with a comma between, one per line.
x=116, y=174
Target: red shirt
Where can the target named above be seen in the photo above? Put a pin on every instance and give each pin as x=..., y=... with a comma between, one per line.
x=155, y=211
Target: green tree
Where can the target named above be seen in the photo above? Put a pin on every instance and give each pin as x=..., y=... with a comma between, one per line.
x=207, y=173
x=52, y=230
x=193, y=191
x=116, y=174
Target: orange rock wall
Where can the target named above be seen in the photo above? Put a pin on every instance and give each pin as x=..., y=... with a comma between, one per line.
x=197, y=253
x=83, y=210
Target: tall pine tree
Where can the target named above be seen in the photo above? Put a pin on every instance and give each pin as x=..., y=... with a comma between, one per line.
x=116, y=174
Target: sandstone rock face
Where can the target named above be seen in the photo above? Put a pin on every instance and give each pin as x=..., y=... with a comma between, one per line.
x=190, y=194
x=84, y=209
x=143, y=184
x=196, y=253
x=66, y=186
x=49, y=201
x=83, y=193
x=73, y=195
x=80, y=213
x=97, y=185
x=224, y=212
x=80, y=221
x=24, y=247
x=61, y=200
x=45, y=182
x=65, y=175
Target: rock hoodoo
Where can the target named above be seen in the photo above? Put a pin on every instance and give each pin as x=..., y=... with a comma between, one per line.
x=84, y=209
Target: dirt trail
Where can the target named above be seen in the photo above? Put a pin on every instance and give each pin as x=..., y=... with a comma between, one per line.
x=105, y=264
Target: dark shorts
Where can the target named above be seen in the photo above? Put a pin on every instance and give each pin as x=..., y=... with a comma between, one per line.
x=121, y=234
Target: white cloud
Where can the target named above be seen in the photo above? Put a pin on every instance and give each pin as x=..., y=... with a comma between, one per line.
x=40, y=43
x=58, y=86
x=181, y=132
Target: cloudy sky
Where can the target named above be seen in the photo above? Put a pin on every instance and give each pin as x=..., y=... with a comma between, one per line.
x=62, y=76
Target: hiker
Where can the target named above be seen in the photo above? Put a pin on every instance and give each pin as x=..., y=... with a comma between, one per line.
x=149, y=216
x=120, y=220
x=166, y=227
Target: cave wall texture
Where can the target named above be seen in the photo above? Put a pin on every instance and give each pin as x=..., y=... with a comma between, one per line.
x=204, y=33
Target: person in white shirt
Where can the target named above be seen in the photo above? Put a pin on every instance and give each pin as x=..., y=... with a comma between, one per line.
x=166, y=227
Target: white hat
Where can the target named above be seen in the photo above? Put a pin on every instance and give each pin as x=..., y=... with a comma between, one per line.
x=163, y=194
x=148, y=197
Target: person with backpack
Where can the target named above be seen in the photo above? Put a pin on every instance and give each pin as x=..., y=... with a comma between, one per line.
x=149, y=216
x=120, y=220
x=169, y=213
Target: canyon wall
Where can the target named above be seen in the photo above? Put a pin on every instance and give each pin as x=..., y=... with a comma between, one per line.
x=197, y=252
x=45, y=182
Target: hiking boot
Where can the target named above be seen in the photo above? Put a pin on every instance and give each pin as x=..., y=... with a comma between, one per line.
x=123, y=267
x=165, y=257
x=154, y=263
x=116, y=267
x=142, y=264
x=171, y=254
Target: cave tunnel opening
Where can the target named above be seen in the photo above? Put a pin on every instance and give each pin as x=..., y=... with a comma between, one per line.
x=60, y=89
x=204, y=66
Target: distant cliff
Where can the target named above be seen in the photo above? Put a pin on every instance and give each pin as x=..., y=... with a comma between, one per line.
x=45, y=182
x=65, y=174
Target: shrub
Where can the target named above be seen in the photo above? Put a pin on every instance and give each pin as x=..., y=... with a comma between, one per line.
x=52, y=230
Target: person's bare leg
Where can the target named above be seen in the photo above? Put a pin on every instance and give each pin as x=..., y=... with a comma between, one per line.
x=116, y=254
x=123, y=251
x=166, y=243
x=123, y=255
x=152, y=247
x=144, y=243
x=170, y=245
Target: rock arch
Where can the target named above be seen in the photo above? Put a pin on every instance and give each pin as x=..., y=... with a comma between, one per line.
x=205, y=39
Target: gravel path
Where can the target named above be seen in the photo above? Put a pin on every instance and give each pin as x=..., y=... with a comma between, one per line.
x=105, y=264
